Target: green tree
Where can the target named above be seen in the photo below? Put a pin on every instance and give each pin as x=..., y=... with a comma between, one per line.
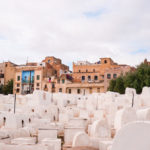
x=8, y=88
x=137, y=79
x=112, y=85
x=1, y=89
x=119, y=87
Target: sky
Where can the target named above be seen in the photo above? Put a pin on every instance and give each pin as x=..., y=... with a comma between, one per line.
x=75, y=30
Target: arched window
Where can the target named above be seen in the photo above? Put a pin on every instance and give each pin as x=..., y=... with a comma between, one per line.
x=83, y=78
x=95, y=77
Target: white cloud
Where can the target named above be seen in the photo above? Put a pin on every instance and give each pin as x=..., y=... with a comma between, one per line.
x=39, y=28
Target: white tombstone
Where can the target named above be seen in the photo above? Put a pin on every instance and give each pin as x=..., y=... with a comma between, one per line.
x=81, y=139
x=143, y=114
x=47, y=133
x=24, y=141
x=124, y=116
x=100, y=129
x=70, y=132
x=55, y=143
x=134, y=136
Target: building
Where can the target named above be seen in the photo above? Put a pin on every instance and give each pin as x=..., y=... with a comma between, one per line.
x=7, y=71
x=53, y=76
x=38, y=76
x=91, y=77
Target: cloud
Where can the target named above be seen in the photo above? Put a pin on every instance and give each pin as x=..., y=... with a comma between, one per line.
x=75, y=30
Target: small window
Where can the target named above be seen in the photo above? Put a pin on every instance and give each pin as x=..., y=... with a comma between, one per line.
x=38, y=77
x=63, y=80
x=18, y=84
x=108, y=76
x=78, y=91
x=18, y=90
x=53, y=85
x=93, y=70
x=83, y=78
x=69, y=91
x=18, y=78
x=60, y=89
x=95, y=77
x=105, y=61
x=45, y=86
x=79, y=71
x=98, y=90
x=89, y=78
x=114, y=76
x=38, y=84
x=86, y=70
x=49, y=61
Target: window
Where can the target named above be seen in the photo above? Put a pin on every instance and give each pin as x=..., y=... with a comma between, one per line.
x=53, y=85
x=38, y=84
x=108, y=76
x=79, y=71
x=83, y=78
x=18, y=90
x=86, y=70
x=114, y=76
x=105, y=61
x=78, y=91
x=60, y=89
x=49, y=61
x=45, y=86
x=38, y=77
x=69, y=91
x=63, y=80
x=18, y=84
x=89, y=78
x=95, y=77
x=98, y=90
x=93, y=70
x=90, y=90
x=18, y=78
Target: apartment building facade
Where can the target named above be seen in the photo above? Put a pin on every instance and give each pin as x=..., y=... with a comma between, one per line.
x=90, y=78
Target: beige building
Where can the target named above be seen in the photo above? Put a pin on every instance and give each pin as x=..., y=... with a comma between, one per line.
x=7, y=71
x=38, y=76
x=91, y=77
x=53, y=76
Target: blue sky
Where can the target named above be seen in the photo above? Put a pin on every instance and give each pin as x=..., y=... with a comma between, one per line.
x=75, y=30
